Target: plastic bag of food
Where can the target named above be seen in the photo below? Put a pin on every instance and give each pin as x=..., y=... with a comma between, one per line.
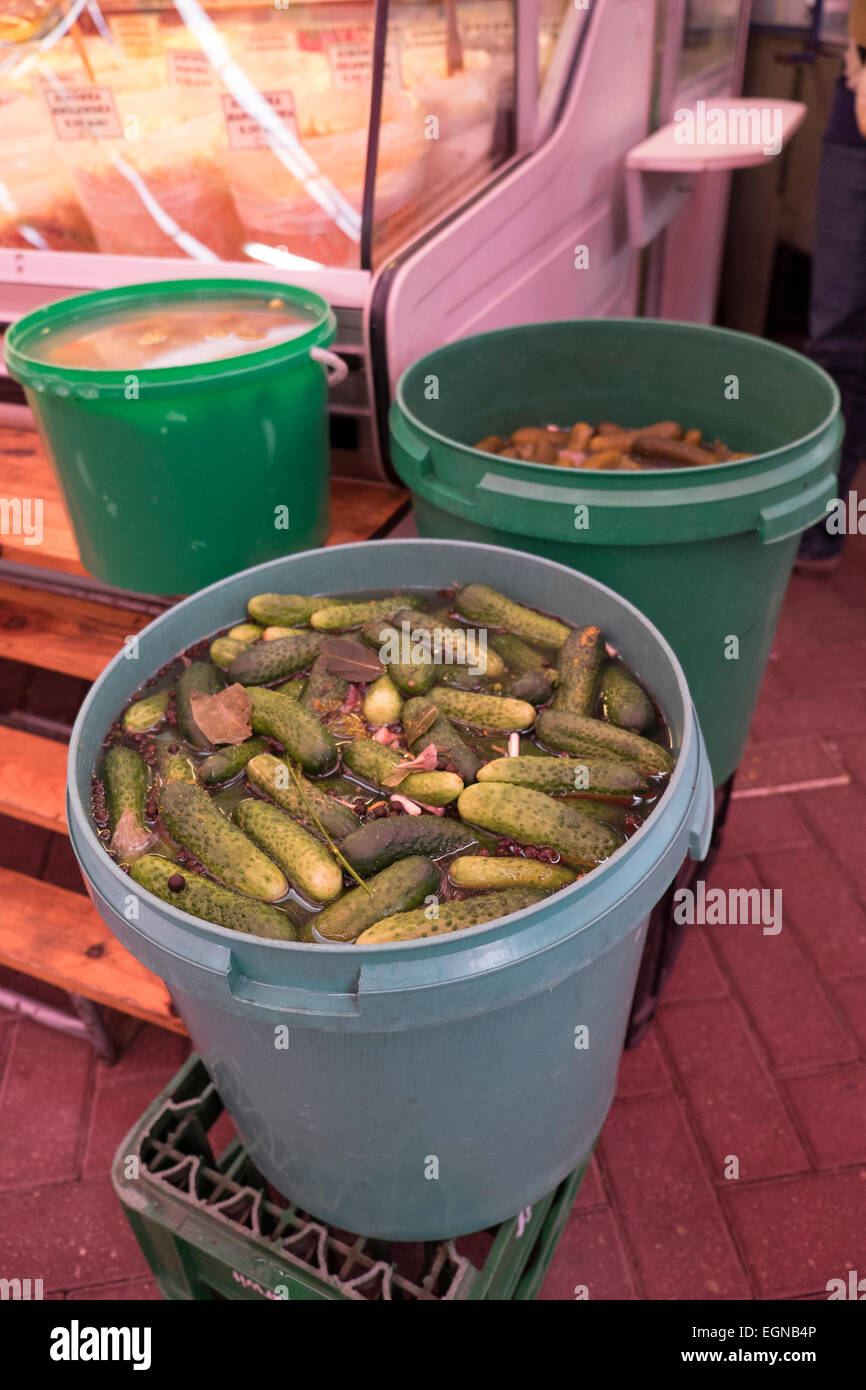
x=39, y=207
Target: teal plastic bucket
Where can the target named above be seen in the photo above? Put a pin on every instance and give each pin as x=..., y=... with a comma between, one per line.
x=429, y=1088
x=177, y=476
x=706, y=553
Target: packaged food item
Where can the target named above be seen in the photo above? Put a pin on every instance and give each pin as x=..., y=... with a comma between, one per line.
x=39, y=207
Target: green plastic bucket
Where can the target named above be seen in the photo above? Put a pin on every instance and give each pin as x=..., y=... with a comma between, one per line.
x=705, y=553
x=175, y=477
x=429, y=1087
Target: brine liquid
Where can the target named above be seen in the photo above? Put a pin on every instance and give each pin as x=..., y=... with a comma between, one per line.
x=167, y=334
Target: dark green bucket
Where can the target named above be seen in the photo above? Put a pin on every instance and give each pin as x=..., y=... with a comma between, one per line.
x=176, y=477
x=705, y=552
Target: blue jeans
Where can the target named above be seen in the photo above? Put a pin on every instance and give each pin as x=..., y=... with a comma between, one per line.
x=837, y=313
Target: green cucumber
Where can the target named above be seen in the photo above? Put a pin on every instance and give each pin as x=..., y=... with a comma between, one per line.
x=146, y=713
x=484, y=711
x=223, y=651
x=300, y=733
x=282, y=610
x=576, y=733
x=598, y=776
x=324, y=692
x=531, y=817
x=204, y=678
x=227, y=762
x=272, y=661
x=202, y=898
x=125, y=777
x=293, y=688
x=379, y=843
x=626, y=703
x=334, y=615
x=578, y=668
x=449, y=744
x=303, y=859
x=174, y=767
x=505, y=871
x=383, y=703
x=398, y=888
x=519, y=657
x=195, y=822
x=531, y=686
x=486, y=605
x=371, y=762
x=409, y=678
x=452, y=645
x=272, y=776
x=450, y=916
x=246, y=632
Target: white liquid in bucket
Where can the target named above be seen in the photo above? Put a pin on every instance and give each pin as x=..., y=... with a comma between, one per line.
x=169, y=335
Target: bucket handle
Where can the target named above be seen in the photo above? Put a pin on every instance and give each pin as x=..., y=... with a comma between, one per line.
x=701, y=833
x=335, y=368
x=788, y=518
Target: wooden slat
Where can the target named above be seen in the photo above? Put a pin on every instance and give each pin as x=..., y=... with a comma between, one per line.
x=33, y=779
x=60, y=633
x=59, y=937
x=358, y=509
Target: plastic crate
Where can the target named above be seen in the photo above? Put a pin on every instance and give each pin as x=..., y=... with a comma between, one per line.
x=211, y=1226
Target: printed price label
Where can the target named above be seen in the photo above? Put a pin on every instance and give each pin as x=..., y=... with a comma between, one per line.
x=189, y=67
x=244, y=130
x=352, y=65
x=80, y=111
x=137, y=34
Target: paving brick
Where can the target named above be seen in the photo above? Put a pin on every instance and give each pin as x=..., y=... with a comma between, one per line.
x=153, y=1052
x=816, y=619
x=71, y=1234
x=695, y=974
x=837, y=817
x=22, y=846
x=806, y=676
x=669, y=1211
x=775, y=685
x=818, y=904
x=785, y=762
x=831, y=1107
x=643, y=1070
x=731, y=1097
x=851, y=995
x=61, y=866
x=799, y=1232
x=41, y=1142
x=811, y=714
x=135, y=1290
x=589, y=1254
x=767, y=822
x=852, y=752
x=114, y=1112
x=784, y=1001
x=591, y=1192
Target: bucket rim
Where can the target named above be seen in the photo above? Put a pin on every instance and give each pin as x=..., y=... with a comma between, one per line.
x=685, y=770
x=88, y=382
x=628, y=480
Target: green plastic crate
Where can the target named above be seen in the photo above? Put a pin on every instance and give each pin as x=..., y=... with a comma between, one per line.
x=211, y=1227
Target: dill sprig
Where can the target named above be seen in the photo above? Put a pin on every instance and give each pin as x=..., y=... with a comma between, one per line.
x=298, y=781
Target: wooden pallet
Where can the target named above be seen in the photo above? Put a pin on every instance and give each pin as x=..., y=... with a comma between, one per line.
x=46, y=932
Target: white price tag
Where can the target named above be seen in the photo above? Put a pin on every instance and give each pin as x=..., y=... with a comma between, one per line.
x=245, y=132
x=189, y=67
x=80, y=111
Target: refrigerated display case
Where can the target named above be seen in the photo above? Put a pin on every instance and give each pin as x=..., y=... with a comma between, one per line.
x=433, y=168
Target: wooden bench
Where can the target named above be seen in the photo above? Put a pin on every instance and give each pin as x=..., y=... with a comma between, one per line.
x=50, y=933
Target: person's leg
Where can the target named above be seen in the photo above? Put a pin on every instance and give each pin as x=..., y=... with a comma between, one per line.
x=838, y=310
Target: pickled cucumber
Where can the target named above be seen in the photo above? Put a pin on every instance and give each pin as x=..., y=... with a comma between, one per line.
x=485, y=871
x=300, y=733
x=335, y=615
x=174, y=767
x=272, y=661
x=282, y=610
x=578, y=668
x=575, y=733
x=303, y=859
x=519, y=657
x=484, y=711
x=202, y=898
x=532, y=686
x=531, y=817
x=383, y=703
x=410, y=678
x=379, y=843
x=595, y=776
x=147, y=713
x=196, y=823
x=371, y=762
x=271, y=776
x=486, y=605
x=125, y=776
x=450, y=916
x=626, y=703
x=226, y=763
x=199, y=676
x=246, y=632
x=449, y=745
x=452, y=645
x=324, y=692
x=398, y=888
x=223, y=651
